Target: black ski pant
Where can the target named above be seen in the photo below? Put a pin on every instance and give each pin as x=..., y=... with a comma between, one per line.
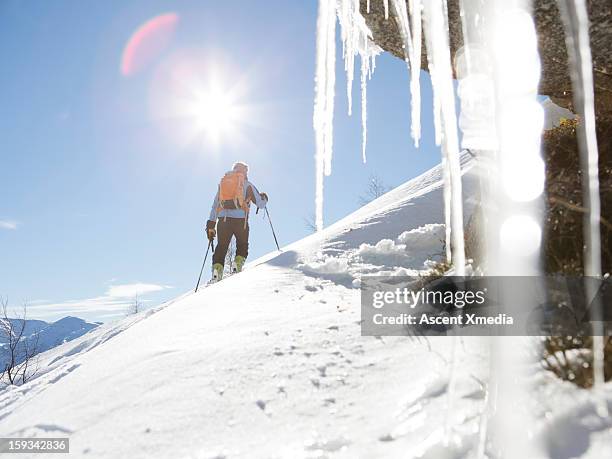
x=226, y=229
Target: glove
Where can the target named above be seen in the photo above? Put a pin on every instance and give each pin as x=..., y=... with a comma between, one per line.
x=210, y=229
x=264, y=196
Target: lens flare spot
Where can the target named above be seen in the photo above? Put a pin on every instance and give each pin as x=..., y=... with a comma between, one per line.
x=147, y=43
x=520, y=235
x=523, y=177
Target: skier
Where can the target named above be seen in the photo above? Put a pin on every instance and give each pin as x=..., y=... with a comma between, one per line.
x=230, y=213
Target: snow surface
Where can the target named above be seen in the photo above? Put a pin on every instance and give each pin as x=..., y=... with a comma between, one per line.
x=271, y=363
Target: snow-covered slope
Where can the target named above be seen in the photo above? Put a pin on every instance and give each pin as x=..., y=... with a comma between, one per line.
x=268, y=363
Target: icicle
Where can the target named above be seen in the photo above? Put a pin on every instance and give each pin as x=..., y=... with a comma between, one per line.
x=516, y=227
x=429, y=38
x=373, y=64
x=436, y=32
x=437, y=116
x=364, y=97
x=368, y=53
x=447, y=209
x=477, y=122
x=356, y=37
x=330, y=79
x=438, y=54
x=415, y=81
x=325, y=81
x=368, y=7
x=348, y=35
x=413, y=63
x=386, y=3
x=576, y=21
x=354, y=33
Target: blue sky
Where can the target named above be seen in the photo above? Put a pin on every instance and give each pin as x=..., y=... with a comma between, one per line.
x=101, y=197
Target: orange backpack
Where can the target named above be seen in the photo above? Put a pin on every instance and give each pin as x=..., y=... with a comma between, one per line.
x=232, y=192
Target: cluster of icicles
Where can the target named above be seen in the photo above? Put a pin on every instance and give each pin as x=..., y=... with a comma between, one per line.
x=357, y=41
x=498, y=72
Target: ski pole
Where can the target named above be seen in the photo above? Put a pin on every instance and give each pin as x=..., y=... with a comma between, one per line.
x=272, y=227
x=210, y=244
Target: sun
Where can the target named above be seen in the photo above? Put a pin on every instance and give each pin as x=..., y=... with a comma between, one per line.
x=203, y=103
x=216, y=113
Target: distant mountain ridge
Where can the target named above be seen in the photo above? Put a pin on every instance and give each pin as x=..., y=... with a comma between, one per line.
x=50, y=334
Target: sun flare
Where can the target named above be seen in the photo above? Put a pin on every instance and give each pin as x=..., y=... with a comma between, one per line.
x=215, y=113
x=203, y=103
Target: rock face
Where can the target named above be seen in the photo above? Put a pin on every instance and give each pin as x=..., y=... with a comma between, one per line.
x=555, y=80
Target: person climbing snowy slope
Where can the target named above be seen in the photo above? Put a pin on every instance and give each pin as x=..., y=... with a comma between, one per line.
x=230, y=215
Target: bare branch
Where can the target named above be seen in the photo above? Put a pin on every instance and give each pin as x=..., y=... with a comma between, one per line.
x=376, y=188
x=309, y=223
x=20, y=350
x=134, y=307
x=576, y=208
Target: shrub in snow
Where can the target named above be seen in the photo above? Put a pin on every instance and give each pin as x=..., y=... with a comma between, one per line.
x=563, y=229
x=570, y=358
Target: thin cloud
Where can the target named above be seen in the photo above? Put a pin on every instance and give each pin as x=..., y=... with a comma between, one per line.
x=88, y=308
x=131, y=290
x=8, y=224
x=112, y=304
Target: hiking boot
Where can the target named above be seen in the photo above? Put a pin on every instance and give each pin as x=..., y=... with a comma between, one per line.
x=239, y=262
x=217, y=272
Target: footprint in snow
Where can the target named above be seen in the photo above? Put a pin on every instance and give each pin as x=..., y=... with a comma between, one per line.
x=330, y=446
x=426, y=390
x=216, y=456
x=52, y=428
x=63, y=371
x=46, y=429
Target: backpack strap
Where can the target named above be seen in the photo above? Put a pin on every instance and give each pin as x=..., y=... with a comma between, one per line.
x=247, y=202
x=219, y=202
